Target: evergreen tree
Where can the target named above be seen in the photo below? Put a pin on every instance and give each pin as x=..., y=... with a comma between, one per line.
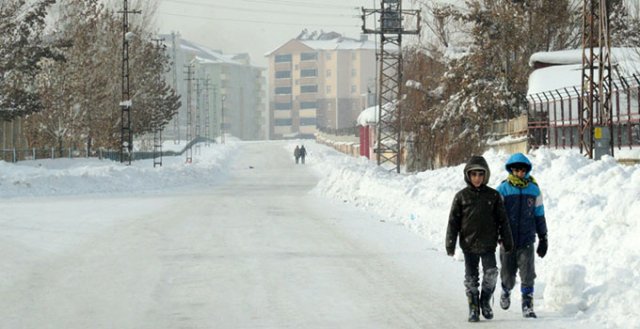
x=22, y=50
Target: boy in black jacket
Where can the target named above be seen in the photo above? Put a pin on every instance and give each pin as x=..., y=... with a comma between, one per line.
x=478, y=217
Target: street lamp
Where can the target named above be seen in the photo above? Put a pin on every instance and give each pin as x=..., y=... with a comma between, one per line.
x=222, y=99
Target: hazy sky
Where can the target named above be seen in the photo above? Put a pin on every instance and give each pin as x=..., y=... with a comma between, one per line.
x=257, y=26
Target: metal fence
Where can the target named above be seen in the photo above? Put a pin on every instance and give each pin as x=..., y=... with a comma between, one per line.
x=554, y=116
x=15, y=154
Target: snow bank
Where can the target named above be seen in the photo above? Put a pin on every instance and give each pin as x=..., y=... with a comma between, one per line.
x=82, y=176
x=593, y=265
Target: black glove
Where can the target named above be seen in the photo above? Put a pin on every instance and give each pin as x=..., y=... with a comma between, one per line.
x=543, y=245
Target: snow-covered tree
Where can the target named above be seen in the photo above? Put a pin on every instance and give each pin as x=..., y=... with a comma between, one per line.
x=624, y=27
x=22, y=50
x=90, y=81
x=152, y=93
x=485, y=54
x=86, y=80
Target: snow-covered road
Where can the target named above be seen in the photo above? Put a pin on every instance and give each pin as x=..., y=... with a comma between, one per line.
x=256, y=251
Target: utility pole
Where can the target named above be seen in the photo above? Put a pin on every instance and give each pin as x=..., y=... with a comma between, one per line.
x=198, y=110
x=190, y=78
x=596, y=80
x=126, y=132
x=207, y=110
x=157, y=129
x=174, y=68
x=391, y=28
x=222, y=99
x=214, y=120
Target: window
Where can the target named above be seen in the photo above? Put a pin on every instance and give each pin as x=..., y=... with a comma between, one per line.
x=328, y=73
x=283, y=74
x=327, y=55
x=307, y=121
x=308, y=105
x=354, y=56
x=282, y=122
x=309, y=89
x=283, y=58
x=283, y=90
x=308, y=56
x=308, y=73
x=354, y=72
x=283, y=106
x=354, y=88
x=328, y=89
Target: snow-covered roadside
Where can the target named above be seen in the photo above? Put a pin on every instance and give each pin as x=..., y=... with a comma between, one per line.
x=593, y=266
x=35, y=235
x=82, y=176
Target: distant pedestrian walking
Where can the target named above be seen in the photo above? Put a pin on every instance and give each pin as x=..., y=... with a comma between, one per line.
x=303, y=153
x=296, y=154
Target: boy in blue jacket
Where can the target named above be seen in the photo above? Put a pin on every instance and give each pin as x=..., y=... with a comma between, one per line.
x=525, y=211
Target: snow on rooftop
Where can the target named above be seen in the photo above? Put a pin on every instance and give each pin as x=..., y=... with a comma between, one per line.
x=561, y=57
x=368, y=116
x=371, y=114
x=339, y=44
x=566, y=69
x=555, y=77
x=206, y=55
x=574, y=56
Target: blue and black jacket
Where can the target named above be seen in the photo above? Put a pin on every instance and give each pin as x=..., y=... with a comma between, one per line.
x=524, y=206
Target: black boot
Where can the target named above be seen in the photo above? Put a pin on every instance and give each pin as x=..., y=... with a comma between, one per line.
x=505, y=299
x=474, y=306
x=485, y=305
x=527, y=306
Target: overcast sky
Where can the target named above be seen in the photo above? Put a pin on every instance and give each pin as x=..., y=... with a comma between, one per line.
x=257, y=26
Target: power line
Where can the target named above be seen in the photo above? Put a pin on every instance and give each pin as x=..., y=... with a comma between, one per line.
x=313, y=4
x=273, y=11
x=289, y=3
x=262, y=22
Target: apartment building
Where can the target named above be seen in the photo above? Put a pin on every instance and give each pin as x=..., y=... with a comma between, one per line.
x=319, y=81
x=227, y=92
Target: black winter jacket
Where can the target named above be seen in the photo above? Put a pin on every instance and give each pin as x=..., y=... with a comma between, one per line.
x=478, y=216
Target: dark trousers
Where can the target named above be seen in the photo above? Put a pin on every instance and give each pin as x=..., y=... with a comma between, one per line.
x=522, y=259
x=472, y=272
